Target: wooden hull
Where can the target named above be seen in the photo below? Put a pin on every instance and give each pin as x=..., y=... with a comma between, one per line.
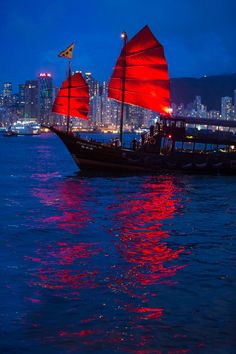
x=91, y=155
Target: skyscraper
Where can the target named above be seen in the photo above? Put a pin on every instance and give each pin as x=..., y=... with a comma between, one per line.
x=45, y=96
x=32, y=103
x=7, y=94
x=94, y=86
x=197, y=104
x=234, y=104
x=110, y=109
x=22, y=99
x=7, y=89
x=1, y=100
x=226, y=108
x=96, y=100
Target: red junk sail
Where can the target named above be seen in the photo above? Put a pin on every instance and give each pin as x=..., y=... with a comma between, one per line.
x=145, y=78
x=78, y=95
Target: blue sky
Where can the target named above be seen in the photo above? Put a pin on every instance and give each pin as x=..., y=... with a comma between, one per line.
x=198, y=36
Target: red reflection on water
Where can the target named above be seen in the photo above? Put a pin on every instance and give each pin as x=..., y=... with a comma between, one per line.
x=43, y=177
x=34, y=301
x=66, y=279
x=56, y=268
x=149, y=257
x=148, y=352
x=60, y=264
x=68, y=197
x=65, y=253
x=179, y=351
x=149, y=262
x=81, y=333
x=147, y=312
x=143, y=241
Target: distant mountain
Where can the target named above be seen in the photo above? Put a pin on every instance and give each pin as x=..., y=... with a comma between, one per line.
x=210, y=88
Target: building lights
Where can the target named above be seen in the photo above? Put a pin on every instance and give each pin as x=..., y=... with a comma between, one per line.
x=45, y=75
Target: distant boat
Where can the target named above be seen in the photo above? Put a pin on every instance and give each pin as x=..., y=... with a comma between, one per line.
x=2, y=130
x=25, y=128
x=9, y=134
x=140, y=78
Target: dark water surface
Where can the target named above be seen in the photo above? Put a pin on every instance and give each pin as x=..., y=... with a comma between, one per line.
x=142, y=264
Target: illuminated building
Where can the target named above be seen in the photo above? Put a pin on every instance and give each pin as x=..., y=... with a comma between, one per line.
x=234, y=104
x=32, y=102
x=135, y=116
x=46, y=96
x=199, y=110
x=197, y=104
x=96, y=107
x=21, y=100
x=214, y=114
x=149, y=117
x=178, y=110
x=7, y=89
x=94, y=86
x=7, y=94
x=110, y=108
x=1, y=100
x=226, y=108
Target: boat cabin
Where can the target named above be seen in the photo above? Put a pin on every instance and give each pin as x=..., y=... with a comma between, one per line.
x=190, y=134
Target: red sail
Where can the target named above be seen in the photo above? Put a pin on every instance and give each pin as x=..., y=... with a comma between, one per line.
x=146, y=74
x=79, y=98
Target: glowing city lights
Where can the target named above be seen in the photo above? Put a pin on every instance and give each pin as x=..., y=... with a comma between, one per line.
x=45, y=75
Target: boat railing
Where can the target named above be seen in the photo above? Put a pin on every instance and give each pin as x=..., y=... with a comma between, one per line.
x=146, y=136
x=106, y=142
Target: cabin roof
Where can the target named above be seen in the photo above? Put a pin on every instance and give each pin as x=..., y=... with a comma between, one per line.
x=204, y=121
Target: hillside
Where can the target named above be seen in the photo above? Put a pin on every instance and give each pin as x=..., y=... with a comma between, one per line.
x=210, y=88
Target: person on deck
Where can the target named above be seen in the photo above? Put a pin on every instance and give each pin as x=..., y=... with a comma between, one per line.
x=152, y=130
x=134, y=144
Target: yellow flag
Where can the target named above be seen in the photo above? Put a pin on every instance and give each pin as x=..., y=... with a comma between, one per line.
x=67, y=53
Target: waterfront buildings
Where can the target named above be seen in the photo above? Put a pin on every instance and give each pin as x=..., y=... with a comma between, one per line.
x=105, y=112
x=33, y=101
x=197, y=109
x=35, y=98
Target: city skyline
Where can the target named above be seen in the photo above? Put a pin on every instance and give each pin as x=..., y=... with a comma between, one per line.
x=35, y=98
x=198, y=37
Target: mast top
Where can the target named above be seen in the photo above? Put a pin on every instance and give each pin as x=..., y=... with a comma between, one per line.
x=124, y=36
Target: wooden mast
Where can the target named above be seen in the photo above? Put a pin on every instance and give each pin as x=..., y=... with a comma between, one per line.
x=124, y=37
x=69, y=95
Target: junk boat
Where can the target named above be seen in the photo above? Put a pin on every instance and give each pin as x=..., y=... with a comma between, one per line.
x=140, y=78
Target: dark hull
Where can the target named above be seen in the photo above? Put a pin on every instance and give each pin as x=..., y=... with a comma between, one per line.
x=90, y=155
x=10, y=134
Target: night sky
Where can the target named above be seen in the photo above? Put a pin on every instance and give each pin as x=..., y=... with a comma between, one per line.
x=199, y=36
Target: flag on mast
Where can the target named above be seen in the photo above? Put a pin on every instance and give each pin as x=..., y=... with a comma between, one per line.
x=67, y=53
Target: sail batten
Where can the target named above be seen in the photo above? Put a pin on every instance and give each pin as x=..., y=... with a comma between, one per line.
x=131, y=54
x=146, y=74
x=73, y=98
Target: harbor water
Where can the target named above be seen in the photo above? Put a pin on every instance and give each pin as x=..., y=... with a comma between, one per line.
x=112, y=264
